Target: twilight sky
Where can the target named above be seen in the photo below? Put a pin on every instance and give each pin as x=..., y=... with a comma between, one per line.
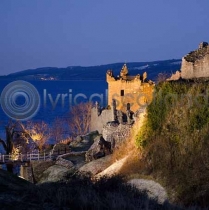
x=61, y=33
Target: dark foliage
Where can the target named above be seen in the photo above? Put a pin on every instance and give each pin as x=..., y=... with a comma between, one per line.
x=80, y=192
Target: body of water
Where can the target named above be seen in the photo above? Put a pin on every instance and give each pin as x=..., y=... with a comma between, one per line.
x=56, y=98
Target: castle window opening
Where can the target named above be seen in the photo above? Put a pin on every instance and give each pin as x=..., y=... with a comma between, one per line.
x=122, y=93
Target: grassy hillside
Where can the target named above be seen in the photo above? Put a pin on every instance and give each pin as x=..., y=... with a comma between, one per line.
x=173, y=142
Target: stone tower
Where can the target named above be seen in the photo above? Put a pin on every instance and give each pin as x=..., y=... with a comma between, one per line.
x=136, y=90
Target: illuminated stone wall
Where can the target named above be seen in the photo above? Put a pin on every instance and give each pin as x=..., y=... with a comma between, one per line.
x=196, y=63
x=136, y=90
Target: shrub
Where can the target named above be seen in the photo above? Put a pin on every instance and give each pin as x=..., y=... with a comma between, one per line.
x=82, y=193
x=175, y=140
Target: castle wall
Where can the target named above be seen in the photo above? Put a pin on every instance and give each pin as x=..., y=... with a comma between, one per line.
x=196, y=68
x=200, y=68
x=97, y=122
x=124, y=89
x=136, y=93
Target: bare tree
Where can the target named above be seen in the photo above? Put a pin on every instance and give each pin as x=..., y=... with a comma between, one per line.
x=79, y=119
x=8, y=143
x=58, y=130
x=162, y=77
x=39, y=132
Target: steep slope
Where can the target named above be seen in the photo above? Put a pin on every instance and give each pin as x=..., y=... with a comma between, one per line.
x=174, y=140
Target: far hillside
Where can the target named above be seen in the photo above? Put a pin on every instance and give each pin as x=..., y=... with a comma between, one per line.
x=96, y=72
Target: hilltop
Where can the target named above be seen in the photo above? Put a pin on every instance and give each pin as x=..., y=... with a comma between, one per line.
x=95, y=72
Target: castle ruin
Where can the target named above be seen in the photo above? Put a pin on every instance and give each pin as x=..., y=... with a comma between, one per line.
x=195, y=64
x=126, y=96
x=135, y=90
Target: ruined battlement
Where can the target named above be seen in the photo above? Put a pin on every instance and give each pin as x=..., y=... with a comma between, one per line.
x=126, y=95
x=125, y=77
x=198, y=54
x=196, y=63
x=136, y=90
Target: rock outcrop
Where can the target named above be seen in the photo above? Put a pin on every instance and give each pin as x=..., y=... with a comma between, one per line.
x=60, y=149
x=73, y=159
x=113, y=169
x=65, y=163
x=39, y=167
x=99, y=149
x=116, y=134
x=55, y=173
x=83, y=143
x=96, y=166
x=153, y=189
x=52, y=171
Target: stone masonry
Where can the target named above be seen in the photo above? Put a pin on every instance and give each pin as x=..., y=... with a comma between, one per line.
x=195, y=64
x=126, y=95
x=136, y=90
x=100, y=118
